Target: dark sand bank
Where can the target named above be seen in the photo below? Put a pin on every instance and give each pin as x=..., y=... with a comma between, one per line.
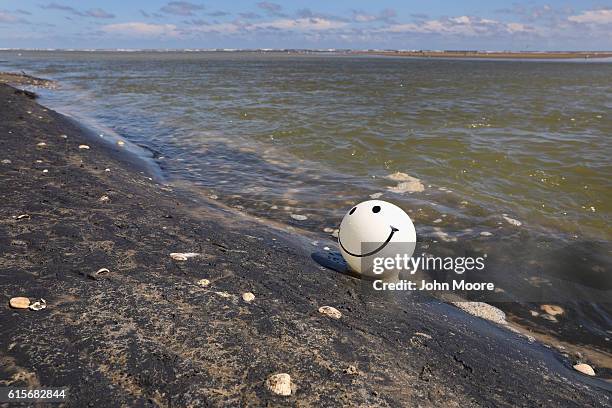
x=145, y=333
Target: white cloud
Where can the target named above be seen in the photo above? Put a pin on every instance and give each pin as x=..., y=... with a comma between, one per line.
x=181, y=8
x=138, y=29
x=593, y=16
x=461, y=25
x=7, y=18
x=300, y=24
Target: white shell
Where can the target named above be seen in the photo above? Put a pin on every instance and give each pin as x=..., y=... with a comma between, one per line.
x=279, y=384
x=85, y=147
x=330, y=312
x=183, y=256
x=365, y=229
x=248, y=297
x=38, y=305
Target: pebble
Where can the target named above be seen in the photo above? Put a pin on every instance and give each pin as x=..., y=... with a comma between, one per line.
x=203, y=282
x=336, y=233
x=328, y=230
x=551, y=318
x=104, y=198
x=64, y=136
x=486, y=234
x=19, y=302
x=248, y=297
x=183, y=256
x=437, y=220
x=552, y=310
x=279, y=384
x=38, y=305
x=299, y=217
x=534, y=313
x=84, y=147
x=351, y=370
x=584, y=369
x=330, y=312
x=407, y=187
x=6, y=161
x=41, y=144
x=399, y=176
x=512, y=221
x=120, y=142
x=482, y=310
x=107, y=170
x=375, y=196
x=45, y=171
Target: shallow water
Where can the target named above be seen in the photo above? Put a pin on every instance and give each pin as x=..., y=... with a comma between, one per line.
x=276, y=135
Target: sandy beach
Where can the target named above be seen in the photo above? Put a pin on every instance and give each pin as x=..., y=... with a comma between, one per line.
x=85, y=226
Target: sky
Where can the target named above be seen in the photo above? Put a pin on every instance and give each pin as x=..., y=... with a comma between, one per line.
x=356, y=24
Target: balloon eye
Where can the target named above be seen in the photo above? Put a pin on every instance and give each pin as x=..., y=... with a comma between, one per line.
x=352, y=210
x=376, y=209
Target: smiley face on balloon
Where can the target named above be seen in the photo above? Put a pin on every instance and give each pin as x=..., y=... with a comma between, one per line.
x=375, y=229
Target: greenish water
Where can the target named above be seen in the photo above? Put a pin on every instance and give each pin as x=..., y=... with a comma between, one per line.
x=313, y=134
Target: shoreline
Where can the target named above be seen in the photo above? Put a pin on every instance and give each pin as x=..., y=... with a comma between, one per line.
x=544, y=55
x=150, y=331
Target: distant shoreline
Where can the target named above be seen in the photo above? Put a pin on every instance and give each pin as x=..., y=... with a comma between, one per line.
x=333, y=51
x=493, y=54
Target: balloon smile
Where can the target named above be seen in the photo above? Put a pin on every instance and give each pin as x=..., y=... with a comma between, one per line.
x=380, y=248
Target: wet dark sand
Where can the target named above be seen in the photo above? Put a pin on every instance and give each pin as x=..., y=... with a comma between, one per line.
x=145, y=334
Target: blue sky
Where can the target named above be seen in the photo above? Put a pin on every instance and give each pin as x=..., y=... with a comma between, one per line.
x=470, y=24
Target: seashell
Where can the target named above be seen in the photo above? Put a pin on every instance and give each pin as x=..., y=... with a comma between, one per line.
x=224, y=294
x=104, y=198
x=512, y=221
x=120, y=142
x=330, y=312
x=19, y=302
x=41, y=144
x=351, y=370
x=85, y=147
x=552, y=310
x=22, y=216
x=203, y=282
x=584, y=369
x=299, y=217
x=279, y=384
x=45, y=171
x=6, y=161
x=38, y=305
x=107, y=170
x=248, y=297
x=376, y=195
x=183, y=256
x=64, y=136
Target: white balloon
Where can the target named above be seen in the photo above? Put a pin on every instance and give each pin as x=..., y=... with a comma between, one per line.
x=375, y=229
